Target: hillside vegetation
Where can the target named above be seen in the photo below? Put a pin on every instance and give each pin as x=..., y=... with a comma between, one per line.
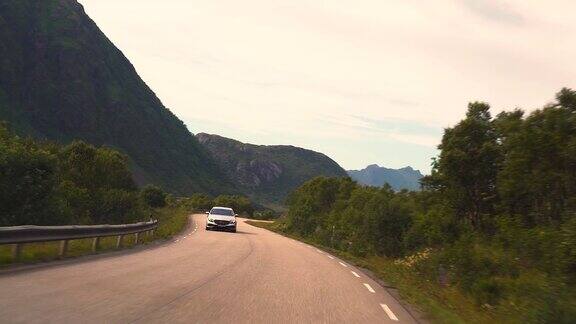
x=268, y=173
x=61, y=79
x=491, y=238
x=50, y=184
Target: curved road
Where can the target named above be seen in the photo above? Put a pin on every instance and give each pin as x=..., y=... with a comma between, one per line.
x=253, y=276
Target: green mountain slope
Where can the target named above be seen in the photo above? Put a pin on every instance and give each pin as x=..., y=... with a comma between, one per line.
x=398, y=179
x=62, y=79
x=268, y=173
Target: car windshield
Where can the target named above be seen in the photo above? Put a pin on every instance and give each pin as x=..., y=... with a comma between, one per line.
x=222, y=211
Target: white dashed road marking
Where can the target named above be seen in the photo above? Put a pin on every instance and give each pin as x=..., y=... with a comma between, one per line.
x=369, y=288
x=389, y=312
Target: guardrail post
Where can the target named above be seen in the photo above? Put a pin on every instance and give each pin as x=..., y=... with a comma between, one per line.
x=119, y=241
x=137, y=236
x=95, y=243
x=63, y=247
x=17, y=251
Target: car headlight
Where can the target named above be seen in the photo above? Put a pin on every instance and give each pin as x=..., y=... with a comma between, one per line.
x=210, y=220
x=233, y=221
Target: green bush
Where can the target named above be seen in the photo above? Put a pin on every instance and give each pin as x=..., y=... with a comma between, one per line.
x=48, y=184
x=28, y=180
x=153, y=196
x=200, y=202
x=434, y=228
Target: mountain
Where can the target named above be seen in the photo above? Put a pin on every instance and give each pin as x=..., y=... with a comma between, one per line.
x=62, y=79
x=398, y=179
x=268, y=173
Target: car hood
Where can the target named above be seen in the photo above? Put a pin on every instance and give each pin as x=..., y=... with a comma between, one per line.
x=221, y=217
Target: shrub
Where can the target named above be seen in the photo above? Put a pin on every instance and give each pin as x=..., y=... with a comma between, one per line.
x=49, y=184
x=153, y=196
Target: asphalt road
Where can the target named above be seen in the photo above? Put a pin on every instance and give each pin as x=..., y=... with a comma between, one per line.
x=252, y=276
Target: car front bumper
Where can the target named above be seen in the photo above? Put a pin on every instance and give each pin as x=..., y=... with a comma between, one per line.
x=225, y=227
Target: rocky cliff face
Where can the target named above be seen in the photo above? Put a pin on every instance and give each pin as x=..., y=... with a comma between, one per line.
x=268, y=173
x=62, y=79
x=398, y=179
x=255, y=173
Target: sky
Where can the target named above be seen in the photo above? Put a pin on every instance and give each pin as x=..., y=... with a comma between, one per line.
x=362, y=81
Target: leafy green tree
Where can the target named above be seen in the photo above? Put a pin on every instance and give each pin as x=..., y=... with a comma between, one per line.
x=47, y=184
x=95, y=168
x=28, y=180
x=340, y=213
x=102, y=177
x=467, y=168
x=538, y=177
x=199, y=201
x=153, y=196
x=310, y=203
x=567, y=99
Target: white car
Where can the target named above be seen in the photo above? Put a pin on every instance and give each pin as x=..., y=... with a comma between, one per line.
x=221, y=218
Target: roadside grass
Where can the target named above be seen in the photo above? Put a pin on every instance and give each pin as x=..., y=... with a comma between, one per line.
x=171, y=221
x=438, y=304
x=441, y=304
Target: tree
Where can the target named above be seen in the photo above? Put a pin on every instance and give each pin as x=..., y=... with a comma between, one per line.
x=95, y=168
x=98, y=183
x=48, y=184
x=200, y=202
x=538, y=176
x=567, y=99
x=153, y=196
x=310, y=204
x=466, y=170
x=28, y=180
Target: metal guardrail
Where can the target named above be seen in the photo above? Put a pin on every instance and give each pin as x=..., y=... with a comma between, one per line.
x=20, y=235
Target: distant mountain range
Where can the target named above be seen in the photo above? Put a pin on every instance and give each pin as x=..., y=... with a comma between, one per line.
x=398, y=179
x=268, y=173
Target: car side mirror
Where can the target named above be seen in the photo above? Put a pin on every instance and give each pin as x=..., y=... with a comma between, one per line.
x=235, y=214
x=207, y=213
